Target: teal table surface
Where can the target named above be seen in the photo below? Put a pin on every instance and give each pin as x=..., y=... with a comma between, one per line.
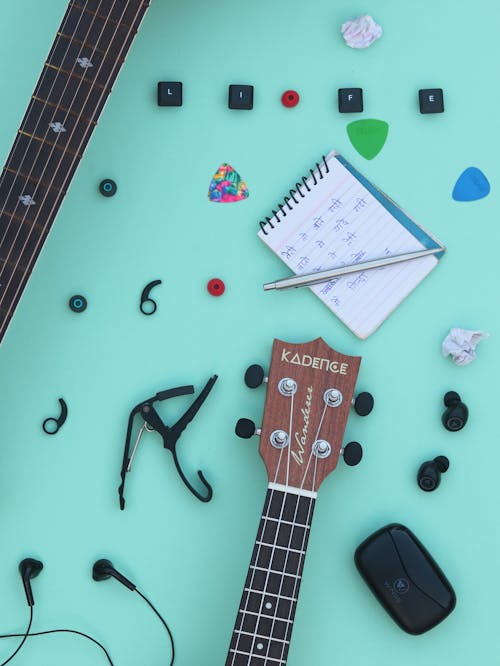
x=58, y=495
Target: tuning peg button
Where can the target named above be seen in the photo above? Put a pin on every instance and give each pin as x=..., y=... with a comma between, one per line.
x=245, y=428
x=363, y=403
x=255, y=376
x=352, y=452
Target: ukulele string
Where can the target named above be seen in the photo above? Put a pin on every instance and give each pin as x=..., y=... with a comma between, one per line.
x=304, y=538
x=257, y=550
x=118, y=63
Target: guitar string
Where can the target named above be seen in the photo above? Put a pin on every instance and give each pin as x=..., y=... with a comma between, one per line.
x=56, y=79
x=304, y=539
x=258, y=547
x=93, y=21
x=44, y=73
x=142, y=6
x=288, y=456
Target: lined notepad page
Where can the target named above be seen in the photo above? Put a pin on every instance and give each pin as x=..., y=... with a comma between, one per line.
x=344, y=220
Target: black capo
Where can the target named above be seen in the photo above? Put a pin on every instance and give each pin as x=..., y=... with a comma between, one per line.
x=170, y=435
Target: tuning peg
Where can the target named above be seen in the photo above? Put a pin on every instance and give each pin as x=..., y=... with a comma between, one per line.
x=352, y=452
x=363, y=403
x=245, y=428
x=254, y=376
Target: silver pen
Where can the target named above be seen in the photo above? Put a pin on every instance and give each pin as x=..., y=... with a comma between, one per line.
x=308, y=279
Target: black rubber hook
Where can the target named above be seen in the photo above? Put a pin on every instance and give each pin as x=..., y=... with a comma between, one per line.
x=52, y=425
x=145, y=298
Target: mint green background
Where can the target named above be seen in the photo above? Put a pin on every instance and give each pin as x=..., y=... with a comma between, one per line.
x=58, y=498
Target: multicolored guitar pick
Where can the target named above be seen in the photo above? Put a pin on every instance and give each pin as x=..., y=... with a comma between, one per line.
x=368, y=136
x=471, y=185
x=226, y=186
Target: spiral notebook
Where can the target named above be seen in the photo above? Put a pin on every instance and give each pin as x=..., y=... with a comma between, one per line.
x=335, y=217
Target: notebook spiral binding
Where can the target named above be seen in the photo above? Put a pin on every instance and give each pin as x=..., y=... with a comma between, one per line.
x=286, y=200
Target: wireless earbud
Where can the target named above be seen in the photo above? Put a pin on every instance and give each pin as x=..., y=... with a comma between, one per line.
x=29, y=568
x=429, y=474
x=456, y=414
x=104, y=569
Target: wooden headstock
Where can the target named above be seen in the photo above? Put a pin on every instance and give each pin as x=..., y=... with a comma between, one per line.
x=309, y=394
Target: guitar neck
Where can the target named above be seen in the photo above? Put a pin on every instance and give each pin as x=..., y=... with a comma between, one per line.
x=264, y=623
x=83, y=63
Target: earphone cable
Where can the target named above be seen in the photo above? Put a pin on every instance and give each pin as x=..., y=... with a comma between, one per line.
x=162, y=621
x=54, y=631
x=25, y=636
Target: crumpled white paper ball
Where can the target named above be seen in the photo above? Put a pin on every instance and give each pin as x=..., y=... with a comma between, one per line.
x=360, y=32
x=461, y=345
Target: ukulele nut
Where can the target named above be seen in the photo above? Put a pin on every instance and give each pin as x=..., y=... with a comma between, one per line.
x=321, y=448
x=332, y=397
x=287, y=387
x=279, y=439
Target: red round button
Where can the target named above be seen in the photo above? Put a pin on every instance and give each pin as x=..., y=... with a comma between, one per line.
x=290, y=98
x=216, y=287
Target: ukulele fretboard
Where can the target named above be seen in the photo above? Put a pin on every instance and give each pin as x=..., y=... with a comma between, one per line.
x=264, y=623
x=83, y=63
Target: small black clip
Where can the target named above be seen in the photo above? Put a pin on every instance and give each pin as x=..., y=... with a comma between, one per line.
x=145, y=298
x=170, y=435
x=51, y=425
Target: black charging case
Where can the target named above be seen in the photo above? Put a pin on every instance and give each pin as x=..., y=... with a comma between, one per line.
x=405, y=578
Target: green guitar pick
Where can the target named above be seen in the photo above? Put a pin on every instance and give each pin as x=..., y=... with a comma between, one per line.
x=368, y=136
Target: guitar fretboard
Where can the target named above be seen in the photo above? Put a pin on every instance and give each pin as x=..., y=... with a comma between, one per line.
x=264, y=623
x=83, y=63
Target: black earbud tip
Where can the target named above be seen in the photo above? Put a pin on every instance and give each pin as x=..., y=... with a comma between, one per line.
x=443, y=463
x=363, y=403
x=245, y=428
x=100, y=570
x=31, y=566
x=254, y=376
x=451, y=398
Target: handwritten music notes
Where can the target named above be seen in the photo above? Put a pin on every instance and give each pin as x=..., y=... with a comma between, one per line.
x=342, y=219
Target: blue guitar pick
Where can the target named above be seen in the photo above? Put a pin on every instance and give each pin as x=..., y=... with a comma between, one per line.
x=471, y=185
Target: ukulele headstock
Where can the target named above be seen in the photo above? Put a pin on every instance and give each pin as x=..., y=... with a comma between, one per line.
x=310, y=389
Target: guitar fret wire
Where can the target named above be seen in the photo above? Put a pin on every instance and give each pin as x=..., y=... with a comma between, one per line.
x=300, y=565
x=112, y=73
x=21, y=219
x=102, y=17
x=49, y=143
x=284, y=522
x=75, y=75
x=288, y=457
x=34, y=180
x=248, y=654
x=292, y=550
x=86, y=45
x=42, y=77
x=41, y=80
x=266, y=517
x=310, y=506
x=266, y=594
x=267, y=638
x=281, y=513
x=247, y=612
x=46, y=102
x=309, y=519
x=273, y=571
x=50, y=213
x=259, y=614
x=295, y=591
